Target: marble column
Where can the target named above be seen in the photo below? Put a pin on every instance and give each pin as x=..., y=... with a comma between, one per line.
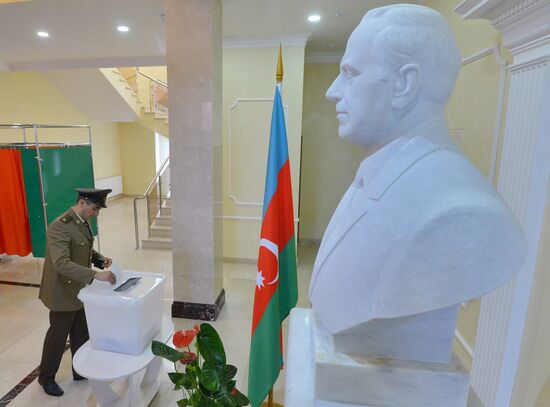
x=522, y=182
x=194, y=62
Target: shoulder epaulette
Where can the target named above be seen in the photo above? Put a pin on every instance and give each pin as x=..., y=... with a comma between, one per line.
x=66, y=219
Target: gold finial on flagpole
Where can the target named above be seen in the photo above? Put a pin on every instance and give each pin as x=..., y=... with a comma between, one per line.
x=279, y=74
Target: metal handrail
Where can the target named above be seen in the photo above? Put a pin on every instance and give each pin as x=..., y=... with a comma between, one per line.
x=151, y=78
x=159, y=173
x=44, y=126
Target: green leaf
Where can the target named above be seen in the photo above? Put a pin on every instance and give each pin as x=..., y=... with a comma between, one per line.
x=175, y=378
x=227, y=401
x=183, y=403
x=191, y=370
x=180, y=379
x=230, y=385
x=210, y=345
x=230, y=372
x=240, y=399
x=165, y=351
x=209, y=379
x=196, y=399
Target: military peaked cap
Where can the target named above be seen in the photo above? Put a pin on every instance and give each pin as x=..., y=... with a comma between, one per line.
x=97, y=196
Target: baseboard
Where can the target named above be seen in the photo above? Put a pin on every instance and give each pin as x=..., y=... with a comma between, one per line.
x=309, y=242
x=203, y=312
x=114, y=183
x=245, y=260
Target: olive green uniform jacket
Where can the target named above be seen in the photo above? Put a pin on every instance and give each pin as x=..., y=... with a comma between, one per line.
x=69, y=256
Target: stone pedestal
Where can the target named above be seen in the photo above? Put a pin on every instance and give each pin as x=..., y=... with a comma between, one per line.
x=317, y=376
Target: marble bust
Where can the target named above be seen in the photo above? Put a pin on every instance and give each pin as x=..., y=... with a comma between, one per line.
x=420, y=229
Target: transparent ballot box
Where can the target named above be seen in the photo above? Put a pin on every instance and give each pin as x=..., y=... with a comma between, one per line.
x=126, y=316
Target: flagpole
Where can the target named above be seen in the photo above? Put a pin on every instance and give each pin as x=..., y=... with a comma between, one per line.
x=279, y=71
x=279, y=79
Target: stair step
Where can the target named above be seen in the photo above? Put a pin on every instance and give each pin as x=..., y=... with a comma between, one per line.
x=160, y=231
x=163, y=221
x=157, y=243
x=166, y=211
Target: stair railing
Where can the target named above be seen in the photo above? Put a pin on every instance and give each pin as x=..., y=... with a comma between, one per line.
x=158, y=93
x=156, y=193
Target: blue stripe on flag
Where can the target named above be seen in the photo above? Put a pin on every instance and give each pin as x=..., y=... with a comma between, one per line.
x=278, y=149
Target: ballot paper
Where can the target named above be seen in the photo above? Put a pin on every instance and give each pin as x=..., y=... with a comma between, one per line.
x=117, y=271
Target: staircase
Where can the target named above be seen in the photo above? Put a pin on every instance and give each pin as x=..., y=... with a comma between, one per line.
x=151, y=95
x=152, y=98
x=160, y=231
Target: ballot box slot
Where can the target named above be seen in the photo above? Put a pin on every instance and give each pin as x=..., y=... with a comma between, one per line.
x=131, y=282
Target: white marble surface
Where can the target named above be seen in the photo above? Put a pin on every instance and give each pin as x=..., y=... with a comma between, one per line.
x=425, y=337
x=420, y=229
x=317, y=376
x=193, y=56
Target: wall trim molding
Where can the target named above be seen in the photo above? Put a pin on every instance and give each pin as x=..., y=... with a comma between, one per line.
x=532, y=64
x=323, y=58
x=478, y=55
x=253, y=218
x=230, y=192
x=464, y=343
x=265, y=41
x=503, y=65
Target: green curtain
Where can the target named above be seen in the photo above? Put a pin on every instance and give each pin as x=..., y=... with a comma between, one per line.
x=63, y=169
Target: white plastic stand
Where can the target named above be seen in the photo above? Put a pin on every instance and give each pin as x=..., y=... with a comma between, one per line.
x=102, y=368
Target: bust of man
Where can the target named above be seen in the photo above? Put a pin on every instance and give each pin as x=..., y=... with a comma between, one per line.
x=420, y=229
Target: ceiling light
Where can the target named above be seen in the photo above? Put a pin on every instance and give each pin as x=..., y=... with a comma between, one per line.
x=314, y=18
x=123, y=28
x=42, y=34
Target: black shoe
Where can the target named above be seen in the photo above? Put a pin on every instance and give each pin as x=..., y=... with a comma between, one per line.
x=78, y=378
x=53, y=389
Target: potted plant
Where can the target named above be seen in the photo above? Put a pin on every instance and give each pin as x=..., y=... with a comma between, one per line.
x=203, y=376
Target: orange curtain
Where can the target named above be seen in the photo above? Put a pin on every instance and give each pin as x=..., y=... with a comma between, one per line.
x=15, y=236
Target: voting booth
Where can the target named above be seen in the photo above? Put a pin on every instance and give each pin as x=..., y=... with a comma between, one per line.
x=124, y=318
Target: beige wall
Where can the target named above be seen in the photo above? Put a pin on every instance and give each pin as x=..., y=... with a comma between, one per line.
x=157, y=72
x=472, y=112
x=249, y=73
x=328, y=163
x=27, y=97
x=137, y=156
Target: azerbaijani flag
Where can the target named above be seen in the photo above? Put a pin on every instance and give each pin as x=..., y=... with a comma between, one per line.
x=276, y=290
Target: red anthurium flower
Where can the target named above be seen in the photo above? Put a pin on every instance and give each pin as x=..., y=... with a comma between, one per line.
x=182, y=339
x=197, y=328
x=188, y=358
x=233, y=391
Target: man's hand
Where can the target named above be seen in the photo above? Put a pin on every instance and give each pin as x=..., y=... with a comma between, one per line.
x=106, y=275
x=107, y=262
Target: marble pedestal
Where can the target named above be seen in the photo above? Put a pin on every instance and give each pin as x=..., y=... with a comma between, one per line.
x=317, y=376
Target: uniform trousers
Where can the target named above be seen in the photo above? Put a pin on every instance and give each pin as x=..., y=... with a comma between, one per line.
x=63, y=324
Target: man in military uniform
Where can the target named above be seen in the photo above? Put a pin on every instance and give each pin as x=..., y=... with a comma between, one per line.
x=67, y=269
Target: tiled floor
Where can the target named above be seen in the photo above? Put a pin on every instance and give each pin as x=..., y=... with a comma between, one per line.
x=24, y=319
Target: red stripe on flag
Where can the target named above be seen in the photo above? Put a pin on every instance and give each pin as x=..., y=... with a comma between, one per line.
x=278, y=224
x=277, y=227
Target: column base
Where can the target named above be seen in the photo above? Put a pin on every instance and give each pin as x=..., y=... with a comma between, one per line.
x=193, y=310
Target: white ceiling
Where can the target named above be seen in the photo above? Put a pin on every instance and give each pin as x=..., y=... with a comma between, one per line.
x=83, y=32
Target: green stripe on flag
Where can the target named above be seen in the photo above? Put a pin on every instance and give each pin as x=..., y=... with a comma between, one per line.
x=288, y=282
x=265, y=354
